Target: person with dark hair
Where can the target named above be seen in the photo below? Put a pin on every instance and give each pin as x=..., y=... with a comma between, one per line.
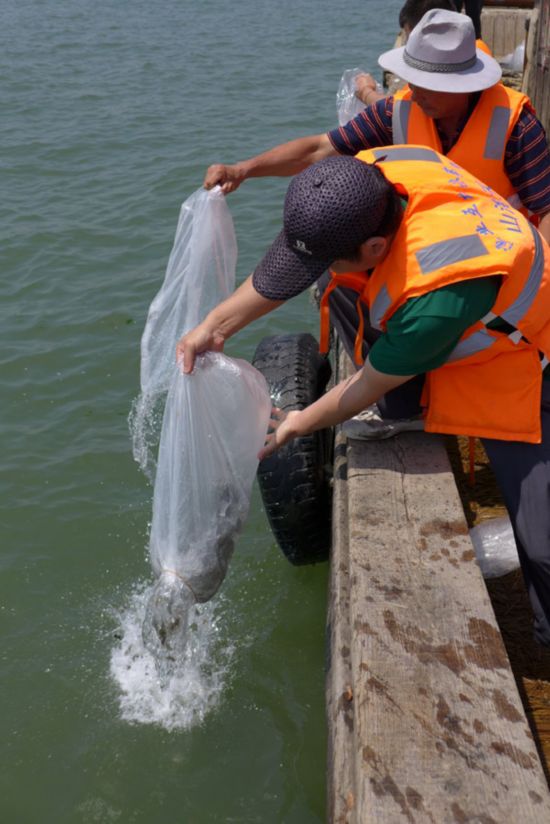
x=456, y=281
x=473, y=10
x=413, y=11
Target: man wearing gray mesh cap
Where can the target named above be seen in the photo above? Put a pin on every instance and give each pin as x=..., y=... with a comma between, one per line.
x=456, y=281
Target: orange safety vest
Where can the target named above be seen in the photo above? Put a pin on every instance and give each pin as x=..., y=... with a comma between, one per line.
x=481, y=145
x=455, y=228
x=484, y=47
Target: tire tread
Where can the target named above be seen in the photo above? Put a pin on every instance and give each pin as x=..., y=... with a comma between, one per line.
x=293, y=482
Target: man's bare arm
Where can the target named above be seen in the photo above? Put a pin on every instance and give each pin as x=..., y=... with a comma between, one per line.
x=281, y=161
x=339, y=404
x=366, y=89
x=232, y=314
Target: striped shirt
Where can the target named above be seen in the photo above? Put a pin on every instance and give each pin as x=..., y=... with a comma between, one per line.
x=526, y=158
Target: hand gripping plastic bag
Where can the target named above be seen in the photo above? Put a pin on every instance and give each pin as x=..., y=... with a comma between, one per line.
x=213, y=426
x=348, y=104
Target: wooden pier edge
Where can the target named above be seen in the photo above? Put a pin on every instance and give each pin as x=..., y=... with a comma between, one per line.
x=425, y=721
x=537, y=62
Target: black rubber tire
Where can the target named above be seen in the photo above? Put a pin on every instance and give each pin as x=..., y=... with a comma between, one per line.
x=295, y=482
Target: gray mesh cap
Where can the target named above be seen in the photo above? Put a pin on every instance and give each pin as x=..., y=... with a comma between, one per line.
x=331, y=208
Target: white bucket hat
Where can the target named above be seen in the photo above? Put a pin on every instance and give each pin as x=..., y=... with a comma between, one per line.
x=441, y=55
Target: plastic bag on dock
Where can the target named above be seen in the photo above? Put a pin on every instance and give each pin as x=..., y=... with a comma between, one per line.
x=213, y=426
x=515, y=60
x=348, y=104
x=495, y=547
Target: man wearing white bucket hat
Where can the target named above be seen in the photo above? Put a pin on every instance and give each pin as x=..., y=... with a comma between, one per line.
x=441, y=55
x=412, y=12
x=455, y=102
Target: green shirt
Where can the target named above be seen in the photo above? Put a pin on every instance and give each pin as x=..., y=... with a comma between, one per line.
x=422, y=333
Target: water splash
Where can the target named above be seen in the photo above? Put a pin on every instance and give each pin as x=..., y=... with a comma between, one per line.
x=145, y=423
x=178, y=696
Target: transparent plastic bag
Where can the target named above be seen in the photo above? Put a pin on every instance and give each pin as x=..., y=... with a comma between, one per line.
x=214, y=424
x=495, y=547
x=348, y=105
x=200, y=274
x=515, y=60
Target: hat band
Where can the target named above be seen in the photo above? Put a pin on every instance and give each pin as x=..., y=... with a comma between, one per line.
x=443, y=68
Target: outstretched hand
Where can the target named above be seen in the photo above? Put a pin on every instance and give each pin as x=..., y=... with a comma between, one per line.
x=282, y=428
x=228, y=178
x=366, y=89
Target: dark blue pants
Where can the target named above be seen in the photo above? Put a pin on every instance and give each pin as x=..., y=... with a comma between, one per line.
x=522, y=470
x=473, y=10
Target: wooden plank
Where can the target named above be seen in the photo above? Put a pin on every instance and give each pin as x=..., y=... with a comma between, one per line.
x=435, y=730
x=523, y=4
x=537, y=80
x=340, y=795
x=530, y=51
x=504, y=29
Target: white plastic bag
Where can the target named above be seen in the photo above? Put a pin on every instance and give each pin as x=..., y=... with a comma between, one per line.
x=515, y=60
x=214, y=424
x=495, y=547
x=200, y=274
x=348, y=104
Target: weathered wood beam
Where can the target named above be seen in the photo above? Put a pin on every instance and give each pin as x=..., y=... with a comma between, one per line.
x=425, y=720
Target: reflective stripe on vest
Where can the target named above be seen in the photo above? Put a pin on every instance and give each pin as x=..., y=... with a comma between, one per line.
x=477, y=342
x=447, y=252
x=389, y=154
x=400, y=120
x=483, y=339
x=380, y=306
x=519, y=308
x=495, y=143
x=430, y=258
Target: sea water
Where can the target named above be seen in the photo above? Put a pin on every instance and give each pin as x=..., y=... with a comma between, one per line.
x=111, y=111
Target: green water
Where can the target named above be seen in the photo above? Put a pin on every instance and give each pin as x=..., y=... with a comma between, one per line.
x=111, y=113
